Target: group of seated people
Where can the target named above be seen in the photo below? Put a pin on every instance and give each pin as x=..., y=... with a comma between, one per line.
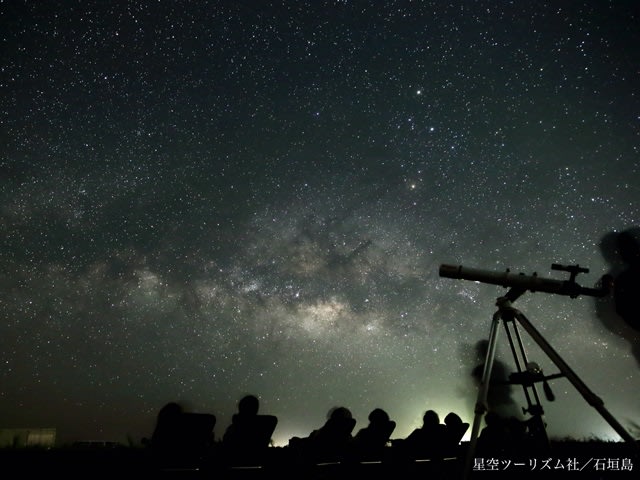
x=184, y=439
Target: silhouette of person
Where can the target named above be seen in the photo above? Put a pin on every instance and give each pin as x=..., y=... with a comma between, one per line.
x=426, y=441
x=181, y=439
x=619, y=312
x=248, y=436
x=626, y=286
x=166, y=434
x=454, y=431
x=494, y=437
x=500, y=391
x=370, y=441
x=329, y=443
x=509, y=436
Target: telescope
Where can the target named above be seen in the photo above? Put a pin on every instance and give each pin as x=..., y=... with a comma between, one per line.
x=518, y=284
x=533, y=283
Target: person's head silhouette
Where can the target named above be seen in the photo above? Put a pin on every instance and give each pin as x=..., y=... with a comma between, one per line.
x=248, y=405
x=453, y=419
x=430, y=419
x=338, y=413
x=378, y=416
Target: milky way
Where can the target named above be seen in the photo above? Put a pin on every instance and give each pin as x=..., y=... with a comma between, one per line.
x=204, y=200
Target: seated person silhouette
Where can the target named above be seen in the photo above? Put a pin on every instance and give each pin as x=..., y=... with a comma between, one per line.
x=247, y=438
x=426, y=441
x=329, y=443
x=454, y=431
x=494, y=437
x=370, y=442
x=181, y=439
x=626, y=286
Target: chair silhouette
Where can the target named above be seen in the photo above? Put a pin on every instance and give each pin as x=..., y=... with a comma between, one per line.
x=370, y=442
x=331, y=442
x=454, y=430
x=182, y=440
x=457, y=432
x=427, y=441
x=247, y=439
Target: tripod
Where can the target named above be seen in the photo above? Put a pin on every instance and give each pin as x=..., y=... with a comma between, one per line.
x=527, y=373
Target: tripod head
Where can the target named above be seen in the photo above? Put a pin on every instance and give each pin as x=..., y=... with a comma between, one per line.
x=533, y=282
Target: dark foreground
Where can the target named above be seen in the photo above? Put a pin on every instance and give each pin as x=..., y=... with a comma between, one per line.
x=565, y=459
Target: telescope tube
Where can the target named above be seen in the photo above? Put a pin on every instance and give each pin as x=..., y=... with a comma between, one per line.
x=534, y=283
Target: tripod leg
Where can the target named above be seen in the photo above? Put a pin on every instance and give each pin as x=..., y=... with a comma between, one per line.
x=481, y=402
x=587, y=394
x=535, y=425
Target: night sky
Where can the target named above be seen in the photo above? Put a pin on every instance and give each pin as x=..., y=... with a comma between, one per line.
x=200, y=200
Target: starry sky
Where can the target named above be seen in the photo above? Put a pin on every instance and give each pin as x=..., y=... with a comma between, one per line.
x=200, y=200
